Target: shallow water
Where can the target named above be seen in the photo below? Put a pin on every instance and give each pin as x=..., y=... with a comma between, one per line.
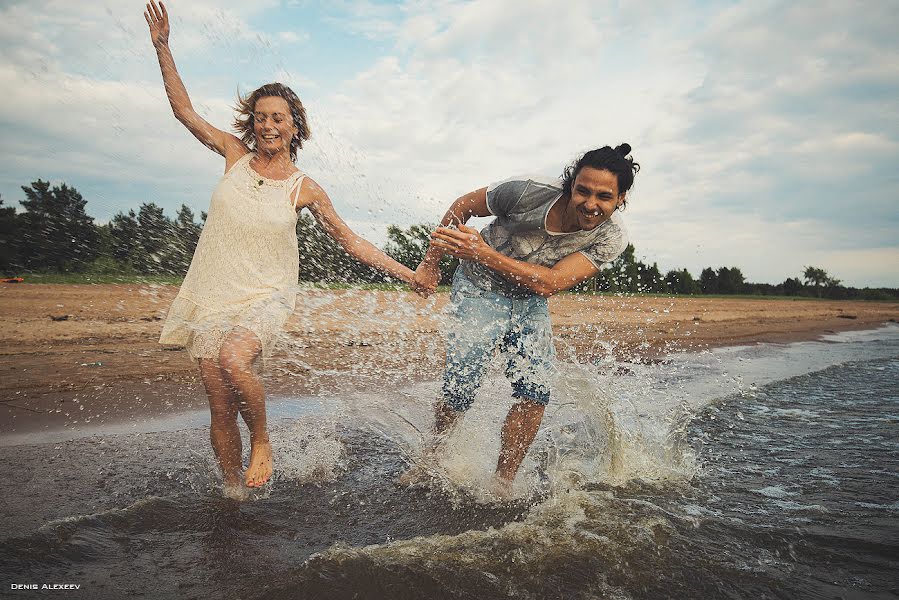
x=756, y=472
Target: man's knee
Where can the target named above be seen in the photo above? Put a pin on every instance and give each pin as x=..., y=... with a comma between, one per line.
x=457, y=403
x=537, y=393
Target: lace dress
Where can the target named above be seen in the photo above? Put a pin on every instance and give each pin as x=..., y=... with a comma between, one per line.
x=245, y=268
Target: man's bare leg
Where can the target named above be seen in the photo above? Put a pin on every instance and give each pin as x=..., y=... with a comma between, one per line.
x=223, y=431
x=519, y=431
x=445, y=419
x=237, y=355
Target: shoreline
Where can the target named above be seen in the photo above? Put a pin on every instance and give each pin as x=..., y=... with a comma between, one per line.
x=76, y=356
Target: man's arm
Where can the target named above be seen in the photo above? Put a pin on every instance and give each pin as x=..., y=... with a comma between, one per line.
x=472, y=204
x=466, y=243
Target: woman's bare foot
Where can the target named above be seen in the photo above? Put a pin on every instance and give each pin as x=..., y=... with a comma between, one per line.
x=260, y=469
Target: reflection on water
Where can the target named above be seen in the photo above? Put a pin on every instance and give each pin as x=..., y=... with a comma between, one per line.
x=638, y=487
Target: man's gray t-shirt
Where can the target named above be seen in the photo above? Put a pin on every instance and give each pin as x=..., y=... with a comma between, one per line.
x=520, y=206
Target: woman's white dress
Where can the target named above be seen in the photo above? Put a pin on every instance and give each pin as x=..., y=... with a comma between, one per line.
x=244, y=271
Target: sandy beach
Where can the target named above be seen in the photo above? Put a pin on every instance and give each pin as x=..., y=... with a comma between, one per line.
x=76, y=354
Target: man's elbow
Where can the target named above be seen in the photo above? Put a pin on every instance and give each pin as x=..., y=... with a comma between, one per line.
x=547, y=288
x=554, y=285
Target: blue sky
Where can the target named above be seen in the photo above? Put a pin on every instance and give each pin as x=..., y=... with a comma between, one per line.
x=768, y=132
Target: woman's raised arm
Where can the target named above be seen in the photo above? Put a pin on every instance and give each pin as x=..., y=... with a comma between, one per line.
x=215, y=139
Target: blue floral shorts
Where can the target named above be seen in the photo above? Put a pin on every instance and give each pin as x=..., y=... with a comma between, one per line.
x=483, y=323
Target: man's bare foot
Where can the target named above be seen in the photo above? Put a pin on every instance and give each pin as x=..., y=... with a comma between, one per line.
x=421, y=471
x=500, y=488
x=236, y=491
x=414, y=475
x=260, y=469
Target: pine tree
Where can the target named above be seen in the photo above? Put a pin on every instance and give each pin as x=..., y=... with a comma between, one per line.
x=125, y=246
x=9, y=242
x=153, y=236
x=184, y=235
x=56, y=232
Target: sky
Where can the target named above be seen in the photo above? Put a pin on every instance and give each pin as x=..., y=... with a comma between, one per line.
x=767, y=132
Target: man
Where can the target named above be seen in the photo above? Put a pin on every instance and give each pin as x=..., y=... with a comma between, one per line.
x=548, y=235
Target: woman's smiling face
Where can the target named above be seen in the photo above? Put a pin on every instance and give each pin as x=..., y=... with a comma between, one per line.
x=273, y=125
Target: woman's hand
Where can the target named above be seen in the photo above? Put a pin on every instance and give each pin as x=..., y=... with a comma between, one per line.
x=465, y=242
x=158, y=19
x=426, y=279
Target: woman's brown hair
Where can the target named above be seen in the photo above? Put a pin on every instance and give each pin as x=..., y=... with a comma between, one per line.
x=246, y=105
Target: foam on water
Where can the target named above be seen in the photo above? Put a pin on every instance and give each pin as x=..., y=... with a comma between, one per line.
x=632, y=477
x=609, y=428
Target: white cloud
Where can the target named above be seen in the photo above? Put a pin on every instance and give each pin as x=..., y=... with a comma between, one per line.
x=292, y=37
x=768, y=132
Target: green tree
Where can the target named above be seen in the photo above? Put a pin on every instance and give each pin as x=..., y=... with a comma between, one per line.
x=623, y=275
x=56, y=232
x=708, y=281
x=153, y=238
x=183, y=237
x=730, y=280
x=681, y=282
x=123, y=229
x=792, y=286
x=323, y=260
x=815, y=276
x=408, y=247
x=651, y=279
x=9, y=243
x=819, y=278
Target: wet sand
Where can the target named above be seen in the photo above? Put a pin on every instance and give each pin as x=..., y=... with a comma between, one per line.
x=88, y=354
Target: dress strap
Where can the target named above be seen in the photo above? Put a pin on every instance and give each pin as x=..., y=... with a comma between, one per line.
x=295, y=187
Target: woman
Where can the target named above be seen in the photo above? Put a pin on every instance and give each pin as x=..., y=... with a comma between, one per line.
x=240, y=287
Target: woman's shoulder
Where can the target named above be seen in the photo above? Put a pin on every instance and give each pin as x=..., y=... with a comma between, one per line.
x=236, y=159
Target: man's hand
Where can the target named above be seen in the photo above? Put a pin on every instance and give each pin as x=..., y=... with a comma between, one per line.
x=465, y=242
x=426, y=279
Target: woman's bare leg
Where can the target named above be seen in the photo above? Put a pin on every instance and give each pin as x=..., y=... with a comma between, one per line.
x=236, y=357
x=223, y=430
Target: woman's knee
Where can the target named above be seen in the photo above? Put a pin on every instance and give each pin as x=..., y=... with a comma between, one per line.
x=223, y=411
x=235, y=359
x=239, y=352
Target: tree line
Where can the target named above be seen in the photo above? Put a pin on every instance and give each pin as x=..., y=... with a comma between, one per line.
x=54, y=234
